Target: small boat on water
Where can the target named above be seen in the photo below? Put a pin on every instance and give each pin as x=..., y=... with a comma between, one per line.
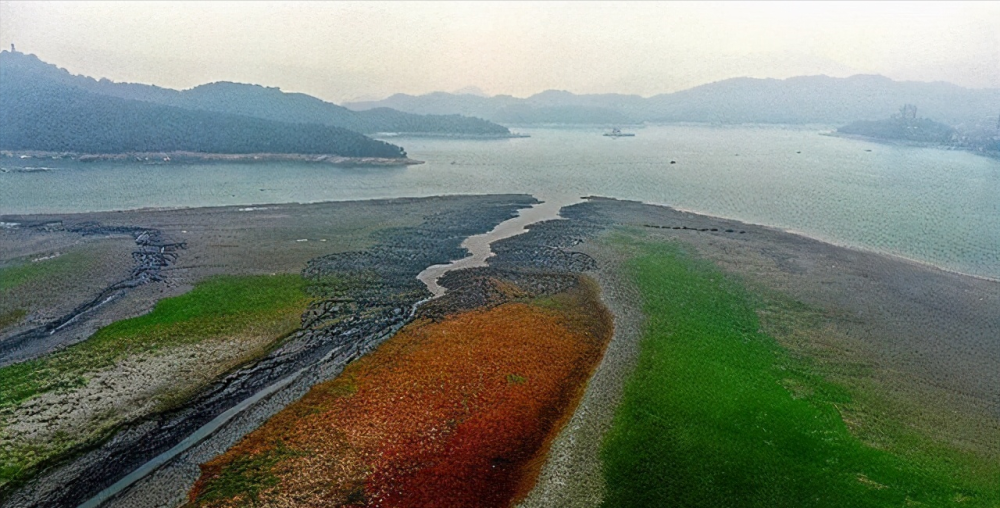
x=617, y=133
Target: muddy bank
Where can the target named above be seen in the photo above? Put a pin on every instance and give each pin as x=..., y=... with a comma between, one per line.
x=572, y=475
x=937, y=326
x=360, y=297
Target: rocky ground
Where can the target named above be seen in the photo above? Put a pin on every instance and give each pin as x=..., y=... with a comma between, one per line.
x=46, y=328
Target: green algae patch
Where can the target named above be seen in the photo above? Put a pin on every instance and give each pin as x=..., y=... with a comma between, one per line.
x=21, y=273
x=12, y=317
x=717, y=413
x=247, y=477
x=221, y=312
x=220, y=306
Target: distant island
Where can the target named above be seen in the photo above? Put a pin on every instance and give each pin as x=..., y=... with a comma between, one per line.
x=906, y=127
x=446, y=135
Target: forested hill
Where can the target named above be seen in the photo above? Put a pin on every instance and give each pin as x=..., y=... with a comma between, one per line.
x=273, y=104
x=51, y=116
x=257, y=101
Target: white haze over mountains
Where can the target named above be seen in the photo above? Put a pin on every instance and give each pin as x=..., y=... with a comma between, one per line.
x=345, y=51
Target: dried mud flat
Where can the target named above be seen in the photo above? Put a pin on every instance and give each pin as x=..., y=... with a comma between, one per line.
x=927, y=337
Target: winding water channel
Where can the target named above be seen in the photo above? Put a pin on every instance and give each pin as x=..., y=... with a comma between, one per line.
x=479, y=246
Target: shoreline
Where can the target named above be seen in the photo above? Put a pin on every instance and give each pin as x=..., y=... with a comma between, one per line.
x=9, y=221
x=802, y=234
x=6, y=221
x=912, y=144
x=186, y=157
x=446, y=135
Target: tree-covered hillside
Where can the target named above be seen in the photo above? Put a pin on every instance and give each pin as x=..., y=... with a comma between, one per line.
x=49, y=116
x=391, y=120
x=273, y=104
x=254, y=101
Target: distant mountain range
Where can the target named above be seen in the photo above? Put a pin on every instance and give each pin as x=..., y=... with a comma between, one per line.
x=806, y=99
x=46, y=108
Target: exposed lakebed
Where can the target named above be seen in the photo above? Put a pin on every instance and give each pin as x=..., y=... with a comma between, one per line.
x=366, y=283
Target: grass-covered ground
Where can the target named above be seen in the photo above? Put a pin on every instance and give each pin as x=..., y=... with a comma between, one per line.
x=718, y=414
x=48, y=283
x=220, y=309
x=22, y=272
x=217, y=307
x=17, y=274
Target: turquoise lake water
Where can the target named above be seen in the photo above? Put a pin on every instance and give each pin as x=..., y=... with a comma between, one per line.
x=937, y=206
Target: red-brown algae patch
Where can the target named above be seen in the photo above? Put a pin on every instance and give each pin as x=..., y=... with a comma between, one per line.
x=454, y=413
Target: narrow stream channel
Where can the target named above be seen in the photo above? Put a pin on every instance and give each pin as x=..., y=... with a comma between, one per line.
x=479, y=247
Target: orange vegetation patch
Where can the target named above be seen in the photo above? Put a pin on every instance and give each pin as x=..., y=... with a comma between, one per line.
x=456, y=413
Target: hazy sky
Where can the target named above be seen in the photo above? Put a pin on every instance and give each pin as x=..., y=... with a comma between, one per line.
x=344, y=51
